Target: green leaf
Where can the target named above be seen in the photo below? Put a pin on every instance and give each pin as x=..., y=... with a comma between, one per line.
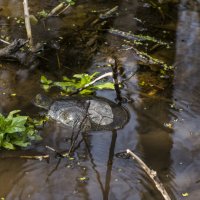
x=86, y=91
x=78, y=76
x=45, y=81
x=8, y=145
x=46, y=87
x=94, y=74
x=68, y=80
x=21, y=143
x=185, y=194
x=63, y=84
x=17, y=125
x=16, y=131
x=107, y=85
x=78, y=81
x=10, y=116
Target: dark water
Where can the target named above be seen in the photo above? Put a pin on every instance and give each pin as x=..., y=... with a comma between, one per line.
x=164, y=117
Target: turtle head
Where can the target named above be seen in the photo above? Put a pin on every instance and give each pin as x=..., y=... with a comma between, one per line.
x=42, y=101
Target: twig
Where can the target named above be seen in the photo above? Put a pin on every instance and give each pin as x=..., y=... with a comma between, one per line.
x=152, y=174
x=33, y=157
x=62, y=11
x=52, y=149
x=3, y=41
x=114, y=66
x=40, y=158
x=56, y=9
x=92, y=82
x=27, y=23
x=109, y=13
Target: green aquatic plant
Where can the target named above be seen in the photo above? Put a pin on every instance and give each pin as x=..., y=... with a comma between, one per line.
x=16, y=131
x=83, y=83
x=43, y=13
x=137, y=38
x=71, y=2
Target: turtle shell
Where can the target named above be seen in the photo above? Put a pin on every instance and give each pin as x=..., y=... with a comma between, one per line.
x=88, y=113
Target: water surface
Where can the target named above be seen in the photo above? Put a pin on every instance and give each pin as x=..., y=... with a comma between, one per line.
x=163, y=129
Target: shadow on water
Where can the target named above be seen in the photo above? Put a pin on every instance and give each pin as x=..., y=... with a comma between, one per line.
x=164, y=117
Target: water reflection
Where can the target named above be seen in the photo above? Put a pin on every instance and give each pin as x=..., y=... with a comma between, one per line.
x=186, y=149
x=172, y=151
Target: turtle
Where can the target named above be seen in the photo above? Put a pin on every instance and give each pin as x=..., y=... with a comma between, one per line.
x=84, y=113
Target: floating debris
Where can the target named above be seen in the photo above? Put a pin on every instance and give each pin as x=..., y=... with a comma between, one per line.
x=131, y=36
x=83, y=179
x=123, y=155
x=109, y=13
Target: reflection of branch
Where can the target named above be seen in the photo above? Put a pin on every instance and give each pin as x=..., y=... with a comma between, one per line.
x=109, y=165
x=93, y=164
x=82, y=124
x=54, y=169
x=152, y=175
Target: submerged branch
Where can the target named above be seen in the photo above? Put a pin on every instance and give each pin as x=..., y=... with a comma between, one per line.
x=152, y=175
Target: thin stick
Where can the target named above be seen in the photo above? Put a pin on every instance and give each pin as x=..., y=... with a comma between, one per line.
x=108, y=13
x=152, y=174
x=115, y=68
x=52, y=149
x=62, y=11
x=92, y=82
x=56, y=9
x=40, y=158
x=3, y=41
x=27, y=23
x=32, y=157
x=62, y=155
